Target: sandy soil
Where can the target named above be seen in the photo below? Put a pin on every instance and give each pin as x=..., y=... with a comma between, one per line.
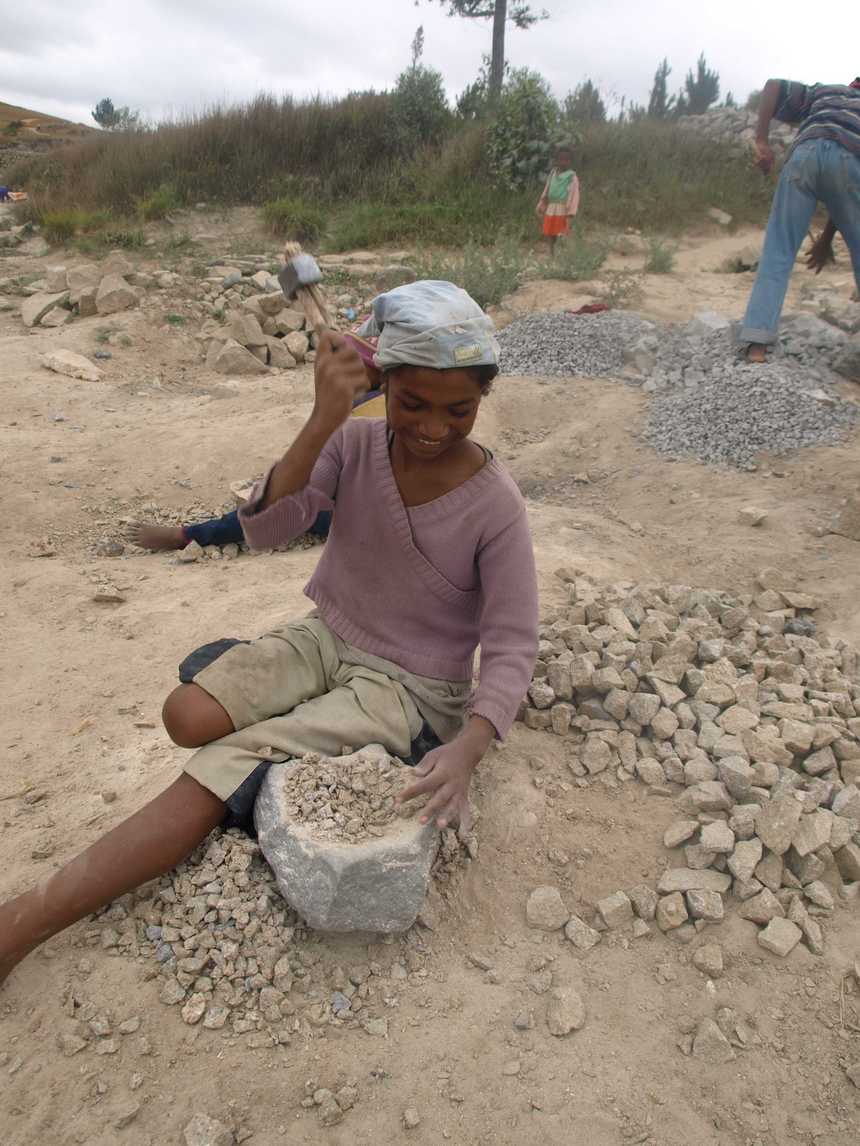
x=83, y=684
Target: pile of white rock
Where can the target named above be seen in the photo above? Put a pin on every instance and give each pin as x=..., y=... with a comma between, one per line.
x=733, y=704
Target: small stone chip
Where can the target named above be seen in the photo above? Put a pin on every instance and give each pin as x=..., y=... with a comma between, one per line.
x=565, y=1011
x=411, y=1118
x=780, y=936
x=545, y=909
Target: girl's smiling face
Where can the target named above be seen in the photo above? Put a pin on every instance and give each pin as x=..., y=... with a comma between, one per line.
x=432, y=410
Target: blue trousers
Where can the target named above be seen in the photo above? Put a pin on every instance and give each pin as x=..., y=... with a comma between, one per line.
x=818, y=170
x=223, y=530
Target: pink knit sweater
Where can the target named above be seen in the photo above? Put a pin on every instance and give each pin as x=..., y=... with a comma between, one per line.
x=423, y=586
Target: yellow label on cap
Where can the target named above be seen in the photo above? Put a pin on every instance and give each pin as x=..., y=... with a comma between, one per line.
x=466, y=353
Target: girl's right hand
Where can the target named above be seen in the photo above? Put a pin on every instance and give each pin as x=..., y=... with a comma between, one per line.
x=339, y=378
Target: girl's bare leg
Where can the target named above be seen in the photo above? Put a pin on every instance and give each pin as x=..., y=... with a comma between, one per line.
x=146, y=845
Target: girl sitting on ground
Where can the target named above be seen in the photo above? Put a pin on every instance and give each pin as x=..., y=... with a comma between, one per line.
x=429, y=557
x=559, y=200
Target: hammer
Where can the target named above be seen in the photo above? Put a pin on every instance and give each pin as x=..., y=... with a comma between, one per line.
x=299, y=278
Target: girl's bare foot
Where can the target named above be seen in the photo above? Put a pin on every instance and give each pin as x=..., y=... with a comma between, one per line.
x=756, y=352
x=156, y=537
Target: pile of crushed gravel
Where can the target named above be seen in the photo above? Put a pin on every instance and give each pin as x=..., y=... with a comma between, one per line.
x=712, y=405
x=232, y=956
x=582, y=345
x=346, y=801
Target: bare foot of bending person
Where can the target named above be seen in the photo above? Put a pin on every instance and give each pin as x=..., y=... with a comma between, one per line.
x=156, y=537
x=146, y=845
x=756, y=352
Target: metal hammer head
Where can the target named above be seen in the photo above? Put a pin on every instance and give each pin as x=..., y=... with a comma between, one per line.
x=300, y=271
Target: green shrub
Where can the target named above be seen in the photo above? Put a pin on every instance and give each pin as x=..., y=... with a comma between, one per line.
x=623, y=289
x=60, y=226
x=158, y=204
x=525, y=131
x=130, y=238
x=487, y=274
x=294, y=219
x=576, y=259
x=661, y=257
x=420, y=108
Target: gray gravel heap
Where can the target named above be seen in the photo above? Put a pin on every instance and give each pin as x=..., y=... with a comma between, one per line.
x=712, y=405
x=732, y=705
x=233, y=957
x=582, y=345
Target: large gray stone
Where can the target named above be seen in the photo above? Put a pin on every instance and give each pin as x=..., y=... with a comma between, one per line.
x=34, y=309
x=82, y=277
x=235, y=359
x=375, y=885
x=777, y=822
x=685, y=879
x=115, y=294
x=71, y=364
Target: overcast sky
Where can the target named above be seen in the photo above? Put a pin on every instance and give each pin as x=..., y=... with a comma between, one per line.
x=167, y=57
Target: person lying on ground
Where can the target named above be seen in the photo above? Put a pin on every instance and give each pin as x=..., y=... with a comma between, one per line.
x=227, y=529
x=823, y=165
x=559, y=200
x=429, y=558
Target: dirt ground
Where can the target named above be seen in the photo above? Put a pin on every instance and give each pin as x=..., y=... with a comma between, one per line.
x=79, y=711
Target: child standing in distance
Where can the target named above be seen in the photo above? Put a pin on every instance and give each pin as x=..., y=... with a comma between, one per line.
x=559, y=200
x=429, y=557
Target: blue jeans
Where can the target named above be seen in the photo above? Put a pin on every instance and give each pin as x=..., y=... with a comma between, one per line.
x=819, y=169
x=223, y=530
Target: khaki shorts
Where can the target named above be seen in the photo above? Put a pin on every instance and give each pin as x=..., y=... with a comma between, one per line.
x=302, y=689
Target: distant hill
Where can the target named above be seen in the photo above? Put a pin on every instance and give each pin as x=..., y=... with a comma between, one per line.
x=21, y=125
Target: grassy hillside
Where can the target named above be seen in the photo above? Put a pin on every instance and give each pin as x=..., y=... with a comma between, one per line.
x=20, y=124
x=341, y=171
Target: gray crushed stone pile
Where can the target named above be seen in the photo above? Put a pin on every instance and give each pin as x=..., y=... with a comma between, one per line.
x=579, y=345
x=712, y=405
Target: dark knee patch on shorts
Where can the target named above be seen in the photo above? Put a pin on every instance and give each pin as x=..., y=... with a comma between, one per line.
x=240, y=804
x=204, y=656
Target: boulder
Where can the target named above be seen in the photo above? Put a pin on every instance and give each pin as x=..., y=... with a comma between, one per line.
x=377, y=884
x=59, y=316
x=86, y=301
x=235, y=359
x=289, y=320
x=34, y=309
x=117, y=264
x=279, y=356
x=71, y=364
x=56, y=279
x=297, y=344
x=114, y=294
x=246, y=330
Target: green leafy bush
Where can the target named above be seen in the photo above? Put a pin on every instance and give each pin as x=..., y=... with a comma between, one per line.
x=661, y=257
x=525, y=131
x=294, y=219
x=420, y=108
x=577, y=259
x=158, y=204
x=488, y=274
